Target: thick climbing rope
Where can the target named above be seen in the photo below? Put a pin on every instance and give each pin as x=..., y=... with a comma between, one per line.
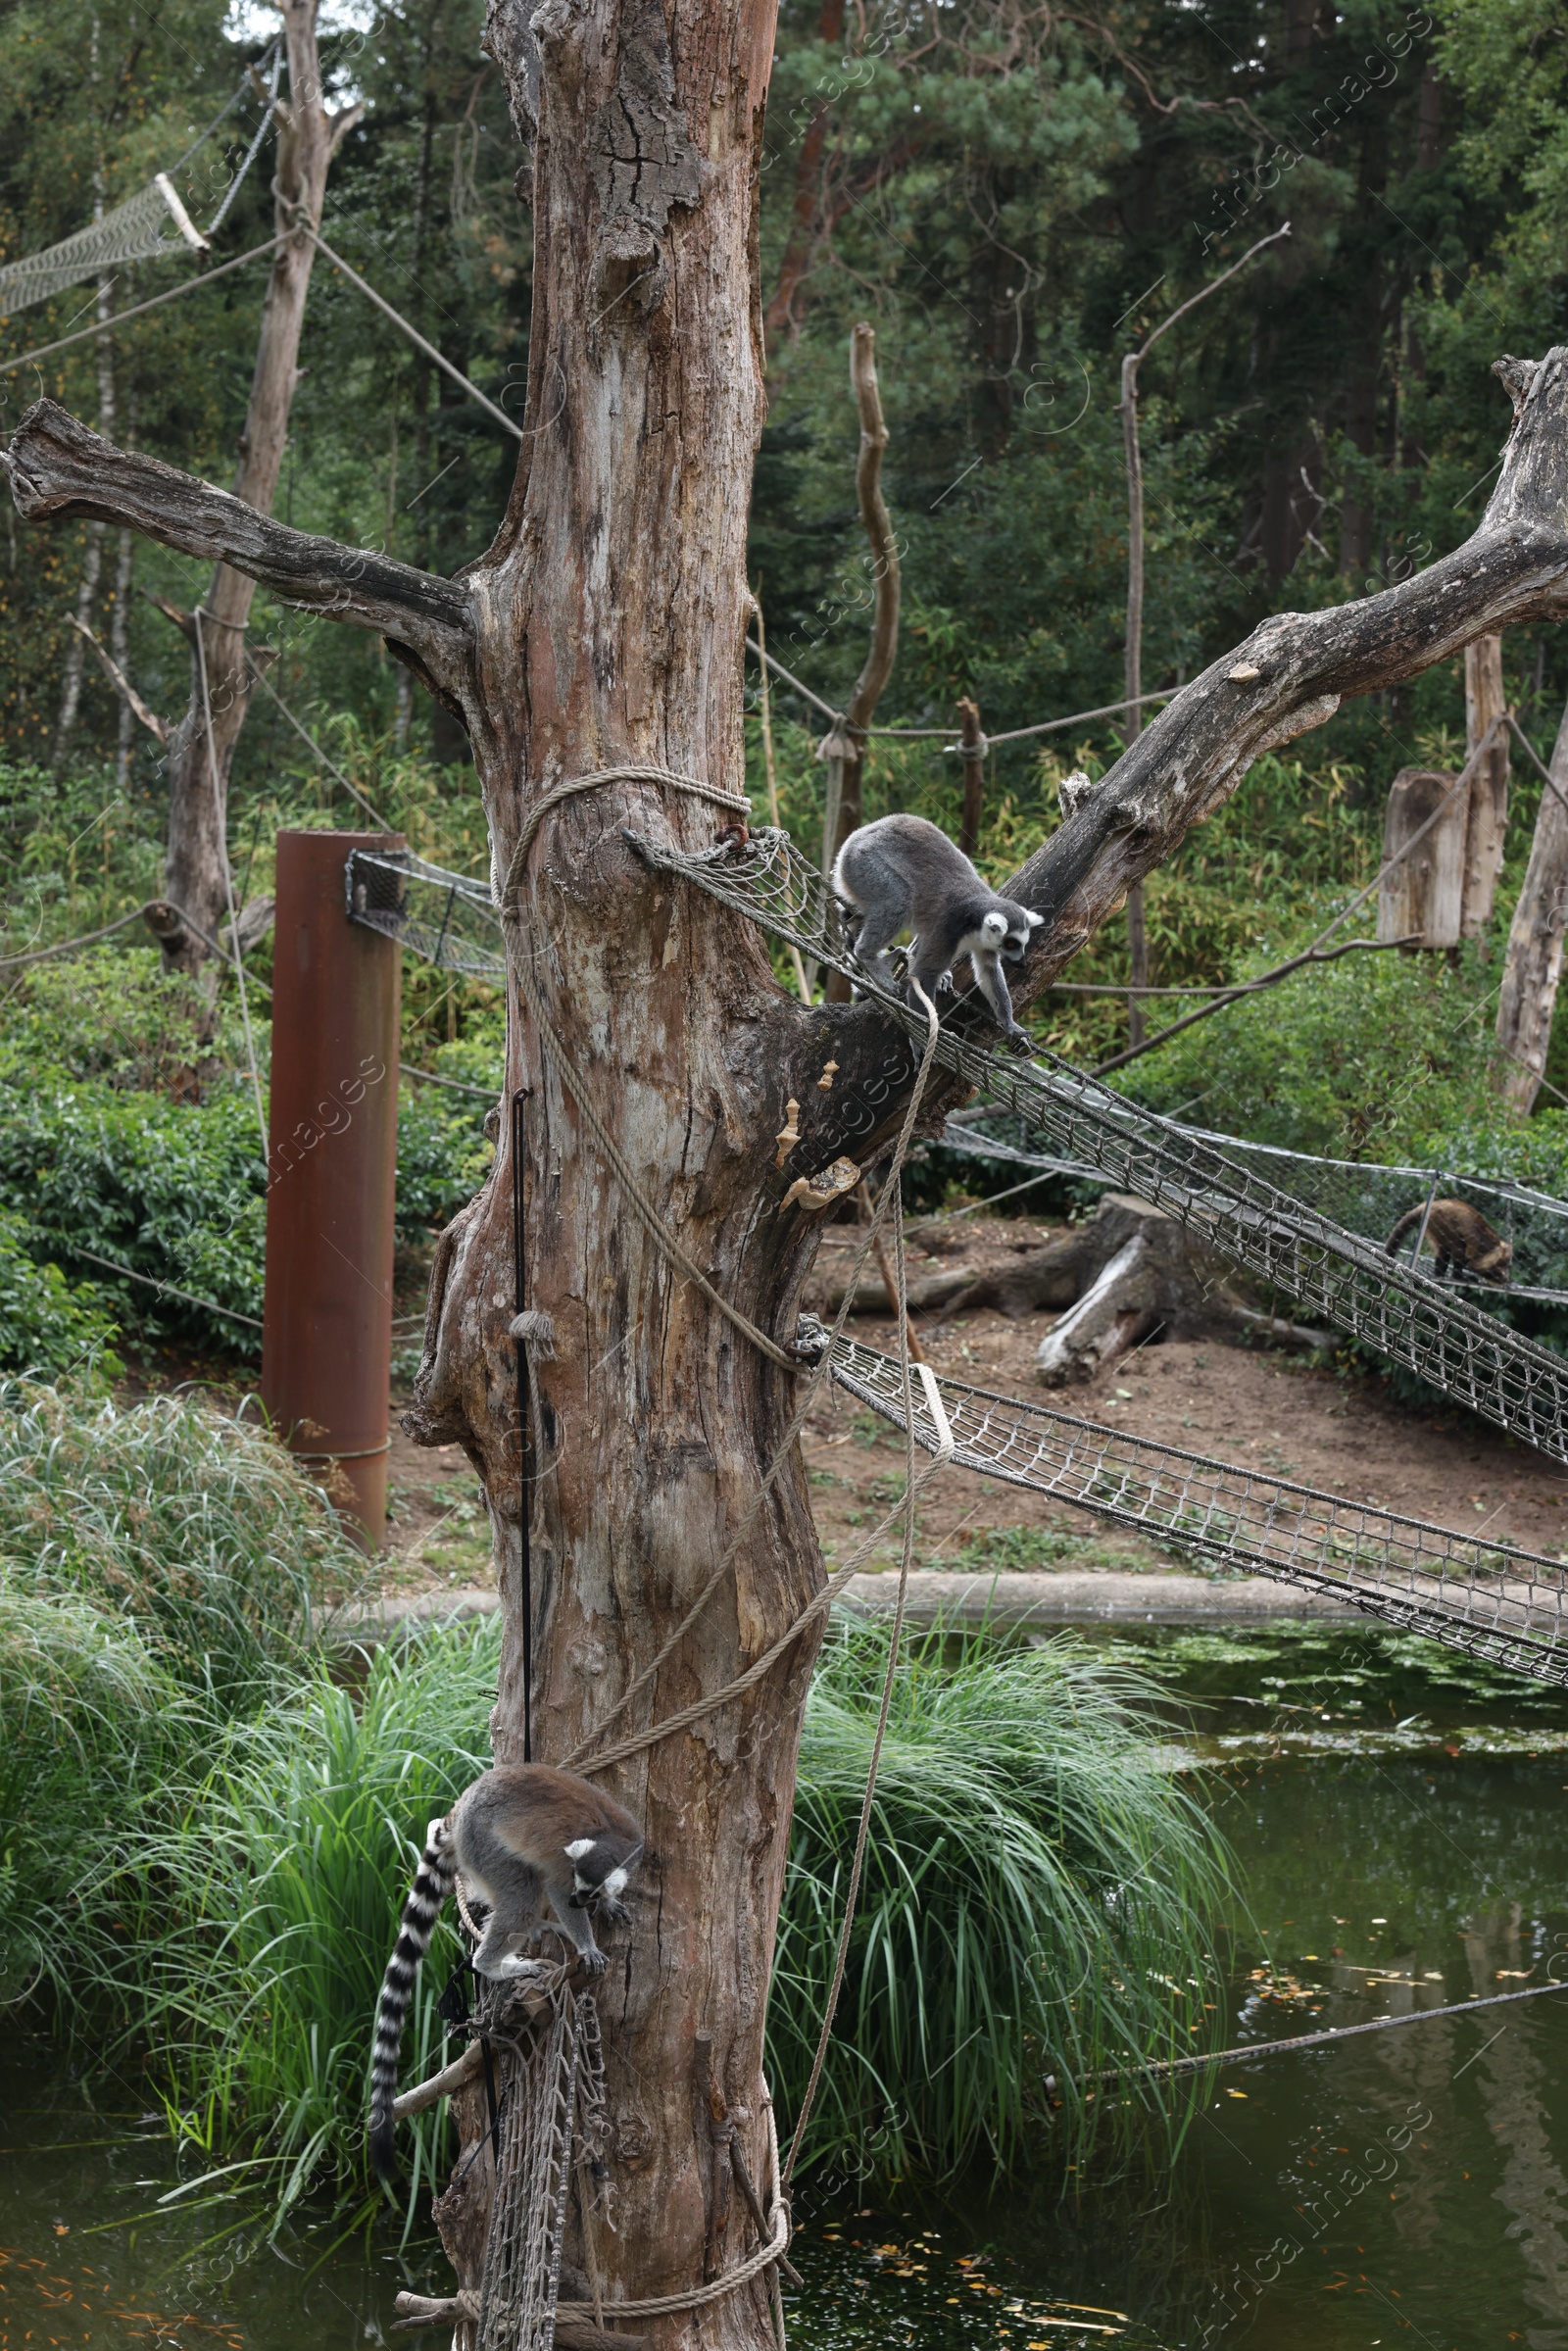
x=581, y=1759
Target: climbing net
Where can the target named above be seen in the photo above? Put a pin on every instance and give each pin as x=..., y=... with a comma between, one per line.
x=1296, y=1250
x=1365, y=1196
x=447, y=918
x=1498, y=1602
x=551, y=2120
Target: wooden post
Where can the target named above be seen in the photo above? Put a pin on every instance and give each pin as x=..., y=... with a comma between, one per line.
x=332, y=1152
x=972, y=751
x=1424, y=892
x=1488, y=819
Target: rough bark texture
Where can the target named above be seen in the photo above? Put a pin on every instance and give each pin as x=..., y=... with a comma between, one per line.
x=1534, y=966
x=1423, y=894
x=198, y=798
x=605, y=624
x=1486, y=812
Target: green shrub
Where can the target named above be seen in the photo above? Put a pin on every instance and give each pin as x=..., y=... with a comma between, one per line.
x=160, y=1565
x=196, y=1529
x=46, y=1324
x=1034, y=1902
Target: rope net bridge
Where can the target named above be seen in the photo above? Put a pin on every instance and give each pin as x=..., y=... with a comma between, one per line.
x=1406, y=1314
x=447, y=918
x=1507, y=1605
x=1364, y=1197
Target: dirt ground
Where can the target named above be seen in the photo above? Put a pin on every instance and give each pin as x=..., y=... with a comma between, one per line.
x=1336, y=1429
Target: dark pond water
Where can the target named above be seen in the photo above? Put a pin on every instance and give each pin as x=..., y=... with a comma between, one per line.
x=1408, y=2187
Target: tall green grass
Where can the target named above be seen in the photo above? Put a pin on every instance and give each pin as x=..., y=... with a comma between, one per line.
x=1034, y=1903
x=160, y=1567
x=258, y=1921
x=1037, y=1900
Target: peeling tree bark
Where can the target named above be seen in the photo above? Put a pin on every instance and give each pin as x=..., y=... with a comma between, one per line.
x=1533, y=967
x=605, y=624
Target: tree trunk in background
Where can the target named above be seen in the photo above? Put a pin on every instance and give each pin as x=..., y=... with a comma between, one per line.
x=1533, y=964
x=886, y=586
x=93, y=560
x=1423, y=893
x=807, y=192
x=1486, y=819
x=198, y=796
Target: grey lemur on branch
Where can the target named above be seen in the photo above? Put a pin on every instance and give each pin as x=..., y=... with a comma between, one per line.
x=522, y=1835
x=903, y=872
x=1463, y=1240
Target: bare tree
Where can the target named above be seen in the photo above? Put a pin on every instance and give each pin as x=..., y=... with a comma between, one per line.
x=844, y=747
x=196, y=866
x=603, y=629
x=1533, y=967
x=1487, y=802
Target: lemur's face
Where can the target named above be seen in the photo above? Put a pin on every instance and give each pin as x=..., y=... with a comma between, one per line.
x=1018, y=927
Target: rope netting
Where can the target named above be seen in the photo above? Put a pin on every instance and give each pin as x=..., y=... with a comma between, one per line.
x=1491, y=1599
x=137, y=231
x=1365, y=1196
x=152, y=223
x=447, y=918
x=551, y=2119
x=1297, y=1250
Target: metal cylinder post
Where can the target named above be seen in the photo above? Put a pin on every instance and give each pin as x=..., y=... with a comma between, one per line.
x=326, y=1345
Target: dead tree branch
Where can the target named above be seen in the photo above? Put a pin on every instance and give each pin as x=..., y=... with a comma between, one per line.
x=58, y=470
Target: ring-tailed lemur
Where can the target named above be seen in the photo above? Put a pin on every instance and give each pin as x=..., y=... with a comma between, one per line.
x=1463, y=1240
x=521, y=1835
x=904, y=873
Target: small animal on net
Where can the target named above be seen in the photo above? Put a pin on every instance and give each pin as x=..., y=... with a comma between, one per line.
x=903, y=872
x=1462, y=1237
x=521, y=1835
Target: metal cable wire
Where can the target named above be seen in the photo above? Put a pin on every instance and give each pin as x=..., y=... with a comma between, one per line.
x=1489, y=1599
x=1301, y=1253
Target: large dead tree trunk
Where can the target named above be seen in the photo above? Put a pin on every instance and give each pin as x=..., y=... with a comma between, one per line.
x=308, y=136
x=606, y=624
x=1533, y=967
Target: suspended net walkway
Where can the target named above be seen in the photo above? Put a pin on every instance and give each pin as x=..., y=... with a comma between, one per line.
x=1363, y=1195
x=447, y=918
x=1467, y=1352
x=1489, y=1599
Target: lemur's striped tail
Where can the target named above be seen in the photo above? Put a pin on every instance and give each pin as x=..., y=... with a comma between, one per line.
x=432, y=1882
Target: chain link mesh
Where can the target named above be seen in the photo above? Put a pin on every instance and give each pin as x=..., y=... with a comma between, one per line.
x=1467, y=1352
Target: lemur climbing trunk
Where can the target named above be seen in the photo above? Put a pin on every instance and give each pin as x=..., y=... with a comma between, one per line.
x=308, y=136
x=605, y=626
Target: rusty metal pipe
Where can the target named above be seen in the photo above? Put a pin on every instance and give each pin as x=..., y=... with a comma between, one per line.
x=326, y=1343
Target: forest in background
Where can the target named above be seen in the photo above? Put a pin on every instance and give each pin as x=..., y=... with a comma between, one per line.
x=1014, y=196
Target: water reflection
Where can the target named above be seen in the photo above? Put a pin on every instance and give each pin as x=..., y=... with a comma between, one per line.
x=1408, y=2187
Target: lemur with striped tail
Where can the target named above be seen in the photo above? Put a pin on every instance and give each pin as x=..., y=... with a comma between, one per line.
x=522, y=1835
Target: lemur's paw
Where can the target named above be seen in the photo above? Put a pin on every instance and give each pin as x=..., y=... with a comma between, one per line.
x=594, y=1961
